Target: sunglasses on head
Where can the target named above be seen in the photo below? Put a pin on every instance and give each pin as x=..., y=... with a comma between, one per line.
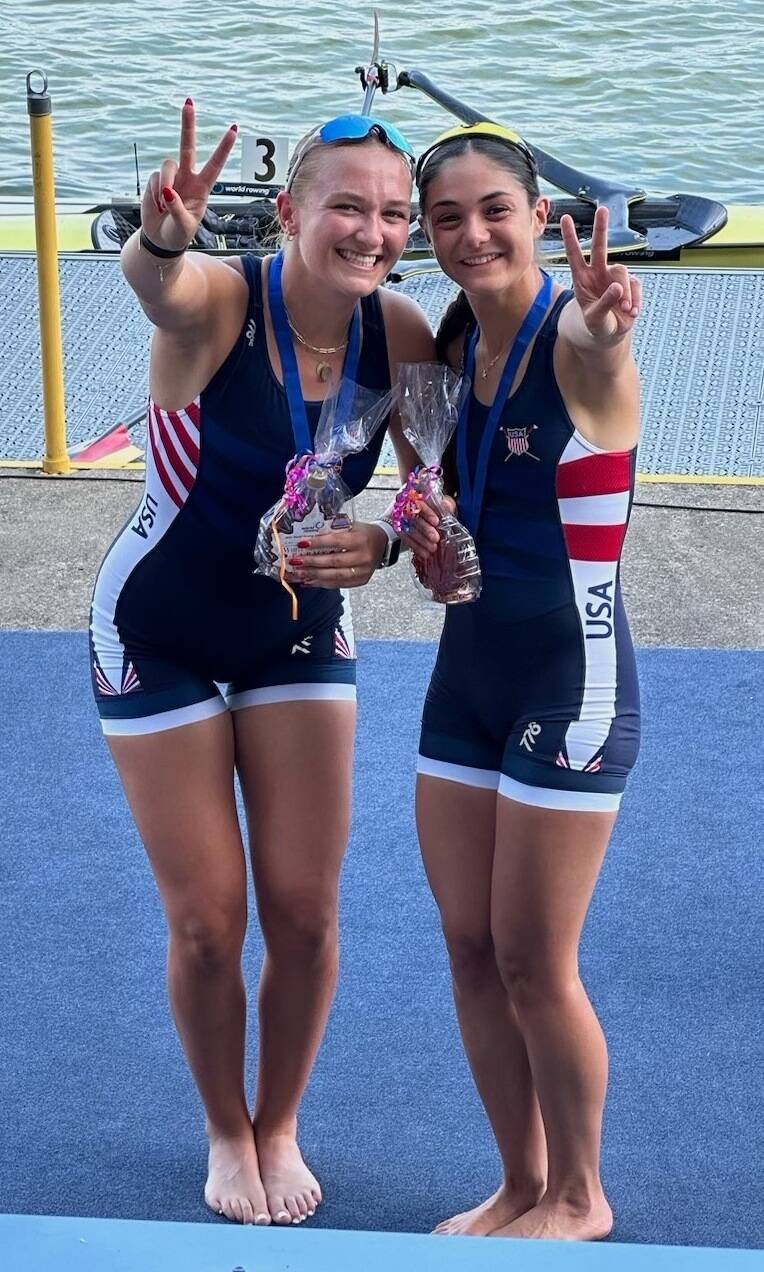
x=351, y=128
x=494, y=132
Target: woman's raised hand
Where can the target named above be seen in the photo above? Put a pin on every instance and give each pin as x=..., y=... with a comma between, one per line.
x=609, y=297
x=175, y=198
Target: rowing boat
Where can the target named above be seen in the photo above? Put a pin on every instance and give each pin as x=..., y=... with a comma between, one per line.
x=680, y=229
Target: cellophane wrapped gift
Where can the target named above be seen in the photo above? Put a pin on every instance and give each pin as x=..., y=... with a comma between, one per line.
x=429, y=399
x=316, y=499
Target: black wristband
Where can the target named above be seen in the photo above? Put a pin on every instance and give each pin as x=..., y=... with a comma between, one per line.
x=163, y=253
x=391, y=554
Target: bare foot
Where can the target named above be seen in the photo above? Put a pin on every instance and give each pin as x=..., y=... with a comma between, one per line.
x=293, y=1193
x=505, y=1205
x=234, y=1187
x=561, y=1221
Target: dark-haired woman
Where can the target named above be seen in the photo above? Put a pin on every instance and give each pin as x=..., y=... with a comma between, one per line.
x=243, y=353
x=531, y=723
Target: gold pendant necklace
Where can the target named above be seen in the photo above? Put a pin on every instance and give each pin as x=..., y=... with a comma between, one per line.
x=323, y=370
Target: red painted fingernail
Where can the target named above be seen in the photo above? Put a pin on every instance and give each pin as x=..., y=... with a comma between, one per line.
x=167, y=194
x=296, y=561
x=303, y=543
x=234, y=127
x=189, y=101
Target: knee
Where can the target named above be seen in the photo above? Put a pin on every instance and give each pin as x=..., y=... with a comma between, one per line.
x=209, y=940
x=533, y=978
x=299, y=925
x=473, y=959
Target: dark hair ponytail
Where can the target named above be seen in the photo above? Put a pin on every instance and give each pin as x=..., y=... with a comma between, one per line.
x=457, y=319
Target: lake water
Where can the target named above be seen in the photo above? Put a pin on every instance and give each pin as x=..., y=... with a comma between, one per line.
x=668, y=93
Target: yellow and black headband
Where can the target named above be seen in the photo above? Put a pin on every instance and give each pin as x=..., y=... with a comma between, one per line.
x=493, y=132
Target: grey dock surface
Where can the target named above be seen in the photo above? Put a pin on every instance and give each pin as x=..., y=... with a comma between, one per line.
x=693, y=567
x=699, y=344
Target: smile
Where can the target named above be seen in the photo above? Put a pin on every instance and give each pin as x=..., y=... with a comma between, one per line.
x=358, y=258
x=485, y=259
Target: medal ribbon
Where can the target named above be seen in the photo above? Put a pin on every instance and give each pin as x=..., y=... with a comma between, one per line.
x=471, y=495
x=297, y=411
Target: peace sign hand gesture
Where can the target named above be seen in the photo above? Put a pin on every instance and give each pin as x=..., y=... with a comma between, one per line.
x=175, y=198
x=608, y=296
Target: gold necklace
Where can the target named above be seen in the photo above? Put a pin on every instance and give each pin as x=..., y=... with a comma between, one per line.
x=487, y=367
x=323, y=370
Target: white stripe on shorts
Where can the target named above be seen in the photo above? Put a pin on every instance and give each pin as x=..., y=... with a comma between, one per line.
x=165, y=719
x=315, y=692
x=569, y=801
x=484, y=778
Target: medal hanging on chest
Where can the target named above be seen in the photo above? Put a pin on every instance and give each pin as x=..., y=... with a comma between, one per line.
x=314, y=494
x=472, y=487
x=324, y=370
x=284, y=329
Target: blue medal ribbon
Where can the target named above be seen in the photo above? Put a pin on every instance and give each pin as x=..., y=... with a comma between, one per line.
x=297, y=411
x=471, y=495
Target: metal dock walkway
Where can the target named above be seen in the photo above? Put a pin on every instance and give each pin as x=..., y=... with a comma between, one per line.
x=700, y=347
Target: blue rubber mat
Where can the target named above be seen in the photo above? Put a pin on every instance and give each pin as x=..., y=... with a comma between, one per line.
x=93, y=1245
x=699, y=343
x=100, y=1118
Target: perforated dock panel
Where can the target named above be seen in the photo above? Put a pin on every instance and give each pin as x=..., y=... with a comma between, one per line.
x=699, y=343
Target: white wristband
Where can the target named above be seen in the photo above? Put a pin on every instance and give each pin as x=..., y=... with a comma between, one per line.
x=389, y=529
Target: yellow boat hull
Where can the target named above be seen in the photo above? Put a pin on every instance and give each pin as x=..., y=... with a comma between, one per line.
x=739, y=245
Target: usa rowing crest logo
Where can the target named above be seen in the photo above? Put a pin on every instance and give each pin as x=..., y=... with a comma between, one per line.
x=519, y=441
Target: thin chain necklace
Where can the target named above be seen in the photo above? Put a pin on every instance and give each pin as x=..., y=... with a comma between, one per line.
x=323, y=370
x=502, y=353
x=488, y=365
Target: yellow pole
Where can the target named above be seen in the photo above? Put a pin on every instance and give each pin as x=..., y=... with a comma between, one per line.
x=56, y=458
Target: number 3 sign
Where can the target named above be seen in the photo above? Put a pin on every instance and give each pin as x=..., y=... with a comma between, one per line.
x=264, y=160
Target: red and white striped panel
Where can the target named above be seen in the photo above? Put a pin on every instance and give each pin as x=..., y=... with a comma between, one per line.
x=130, y=681
x=593, y=497
x=341, y=647
x=346, y=624
x=593, y=490
x=104, y=685
x=174, y=438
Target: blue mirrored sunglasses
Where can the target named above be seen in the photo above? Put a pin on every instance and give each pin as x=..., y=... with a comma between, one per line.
x=356, y=127
x=353, y=128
